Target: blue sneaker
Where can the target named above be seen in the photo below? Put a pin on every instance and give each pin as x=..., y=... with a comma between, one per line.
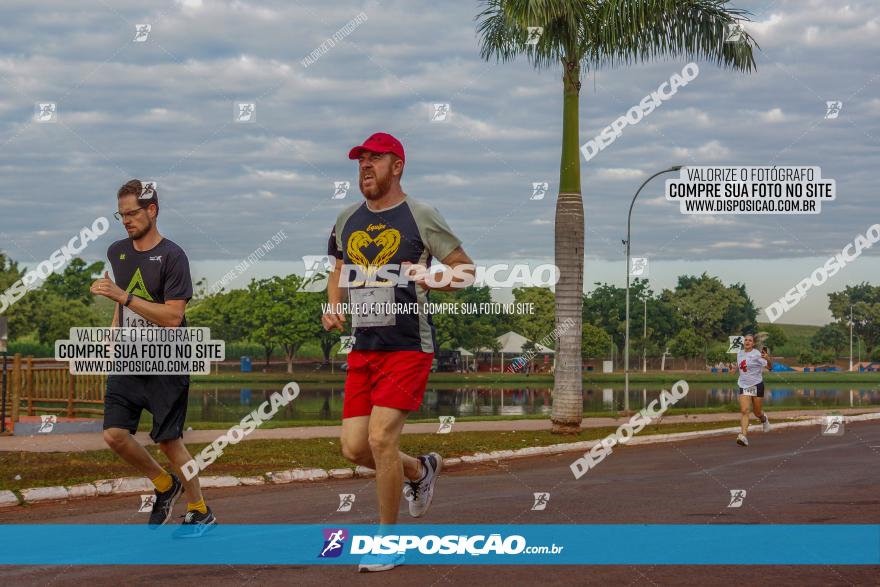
x=195, y=524
x=380, y=562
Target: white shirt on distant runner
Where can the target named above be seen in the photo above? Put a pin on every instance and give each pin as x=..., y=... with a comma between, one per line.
x=751, y=368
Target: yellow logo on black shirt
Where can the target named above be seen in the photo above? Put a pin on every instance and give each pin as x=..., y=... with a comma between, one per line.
x=137, y=286
x=388, y=240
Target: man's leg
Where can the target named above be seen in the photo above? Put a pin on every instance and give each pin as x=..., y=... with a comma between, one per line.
x=178, y=455
x=169, y=399
x=356, y=447
x=385, y=426
x=124, y=401
x=123, y=444
x=355, y=441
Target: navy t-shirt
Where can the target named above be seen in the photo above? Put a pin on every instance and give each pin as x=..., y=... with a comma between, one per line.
x=157, y=275
x=409, y=231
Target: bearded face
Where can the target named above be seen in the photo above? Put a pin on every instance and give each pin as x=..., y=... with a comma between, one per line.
x=376, y=174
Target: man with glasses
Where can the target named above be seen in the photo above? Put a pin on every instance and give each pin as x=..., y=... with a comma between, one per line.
x=151, y=288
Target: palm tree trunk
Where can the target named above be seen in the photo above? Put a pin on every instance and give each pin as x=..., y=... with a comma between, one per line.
x=569, y=243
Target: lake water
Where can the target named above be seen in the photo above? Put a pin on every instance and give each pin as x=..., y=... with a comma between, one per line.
x=322, y=402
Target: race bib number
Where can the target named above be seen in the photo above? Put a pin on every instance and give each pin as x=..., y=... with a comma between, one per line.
x=371, y=306
x=131, y=319
x=752, y=390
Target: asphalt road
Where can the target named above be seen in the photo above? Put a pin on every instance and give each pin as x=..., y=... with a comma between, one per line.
x=790, y=476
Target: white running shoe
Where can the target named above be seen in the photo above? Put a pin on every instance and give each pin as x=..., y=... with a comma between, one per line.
x=742, y=440
x=766, y=424
x=380, y=562
x=420, y=493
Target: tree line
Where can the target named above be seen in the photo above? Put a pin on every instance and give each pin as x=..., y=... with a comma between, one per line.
x=691, y=321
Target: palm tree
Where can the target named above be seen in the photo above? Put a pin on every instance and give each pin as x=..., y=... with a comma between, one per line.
x=584, y=35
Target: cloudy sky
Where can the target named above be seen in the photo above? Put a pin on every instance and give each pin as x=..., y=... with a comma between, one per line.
x=164, y=109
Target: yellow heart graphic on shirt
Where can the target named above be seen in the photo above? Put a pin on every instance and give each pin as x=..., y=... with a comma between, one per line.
x=388, y=240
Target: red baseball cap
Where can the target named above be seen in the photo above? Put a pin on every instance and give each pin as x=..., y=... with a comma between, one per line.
x=379, y=142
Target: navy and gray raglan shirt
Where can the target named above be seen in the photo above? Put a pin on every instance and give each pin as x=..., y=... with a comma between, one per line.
x=409, y=231
x=157, y=275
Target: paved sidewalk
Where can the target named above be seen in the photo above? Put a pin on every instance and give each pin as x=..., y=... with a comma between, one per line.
x=793, y=476
x=94, y=441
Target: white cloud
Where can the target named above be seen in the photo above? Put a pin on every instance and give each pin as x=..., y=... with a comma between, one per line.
x=687, y=117
x=274, y=175
x=657, y=202
x=467, y=127
x=706, y=220
x=619, y=173
x=744, y=244
x=772, y=116
x=445, y=179
x=163, y=109
x=708, y=152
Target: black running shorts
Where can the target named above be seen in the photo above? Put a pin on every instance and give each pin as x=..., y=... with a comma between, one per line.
x=760, y=390
x=164, y=396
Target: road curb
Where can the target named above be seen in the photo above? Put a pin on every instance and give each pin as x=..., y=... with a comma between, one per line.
x=127, y=485
x=8, y=499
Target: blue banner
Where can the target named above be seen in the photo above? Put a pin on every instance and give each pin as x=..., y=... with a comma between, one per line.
x=601, y=544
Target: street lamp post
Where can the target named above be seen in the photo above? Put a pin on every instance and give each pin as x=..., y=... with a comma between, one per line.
x=628, y=239
x=4, y=322
x=850, y=336
x=645, y=338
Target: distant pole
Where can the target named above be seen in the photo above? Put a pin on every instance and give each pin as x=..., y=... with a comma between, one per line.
x=645, y=339
x=4, y=325
x=3, y=395
x=850, y=337
x=628, y=242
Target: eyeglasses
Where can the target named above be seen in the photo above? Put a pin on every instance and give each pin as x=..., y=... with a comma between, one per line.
x=129, y=214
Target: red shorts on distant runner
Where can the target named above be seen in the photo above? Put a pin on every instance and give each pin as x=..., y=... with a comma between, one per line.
x=391, y=379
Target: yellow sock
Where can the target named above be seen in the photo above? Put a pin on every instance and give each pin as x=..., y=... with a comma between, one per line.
x=198, y=506
x=163, y=482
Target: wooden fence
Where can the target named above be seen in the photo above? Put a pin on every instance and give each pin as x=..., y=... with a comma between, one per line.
x=48, y=386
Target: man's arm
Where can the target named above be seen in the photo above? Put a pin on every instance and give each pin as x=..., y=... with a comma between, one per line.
x=460, y=272
x=444, y=246
x=332, y=319
x=169, y=314
x=459, y=259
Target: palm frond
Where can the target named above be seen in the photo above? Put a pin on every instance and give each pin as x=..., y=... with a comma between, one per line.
x=642, y=30
x=503, y=27
x=599, y=33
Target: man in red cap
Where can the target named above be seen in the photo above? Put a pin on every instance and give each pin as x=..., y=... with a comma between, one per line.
x=388, y=367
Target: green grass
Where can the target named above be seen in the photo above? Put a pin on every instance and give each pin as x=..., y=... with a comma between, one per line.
x=146, y=424
x=795, y=330
x=798, y=336
x=501, y=379
x=256, y=457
